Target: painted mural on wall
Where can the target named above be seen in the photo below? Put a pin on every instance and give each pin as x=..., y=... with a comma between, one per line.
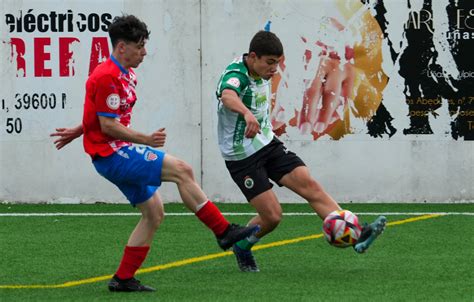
x=354, y=69
x=383, y=69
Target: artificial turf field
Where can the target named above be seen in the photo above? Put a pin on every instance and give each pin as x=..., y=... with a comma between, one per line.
x=420, y=256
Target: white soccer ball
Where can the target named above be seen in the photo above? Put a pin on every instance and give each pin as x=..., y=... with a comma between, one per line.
x=341, y=228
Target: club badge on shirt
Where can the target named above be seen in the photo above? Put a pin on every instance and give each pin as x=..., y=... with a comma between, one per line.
x=113, y=101
x=150, y=156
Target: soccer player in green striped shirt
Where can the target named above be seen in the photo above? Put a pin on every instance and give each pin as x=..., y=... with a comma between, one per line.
x=254, y=156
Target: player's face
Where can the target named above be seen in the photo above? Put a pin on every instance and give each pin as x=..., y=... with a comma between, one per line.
x=266, y=66
x=134, y=53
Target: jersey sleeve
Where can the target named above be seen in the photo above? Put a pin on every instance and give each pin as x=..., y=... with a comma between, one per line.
x=234, y=80
x=107, y=97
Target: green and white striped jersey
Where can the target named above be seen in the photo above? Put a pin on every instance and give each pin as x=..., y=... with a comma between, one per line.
x=256, y=95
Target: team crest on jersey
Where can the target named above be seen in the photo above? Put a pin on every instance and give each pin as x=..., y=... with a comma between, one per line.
x=248, y=182
x=150, y=156
x=113, y=101
x=234, y=82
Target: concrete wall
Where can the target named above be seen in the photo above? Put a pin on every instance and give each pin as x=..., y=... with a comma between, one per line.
x=169, y=92
x=191, y=43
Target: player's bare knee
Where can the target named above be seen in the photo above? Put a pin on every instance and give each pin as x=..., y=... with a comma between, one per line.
x=160, y=216
x=272, y=219
x=155, y=220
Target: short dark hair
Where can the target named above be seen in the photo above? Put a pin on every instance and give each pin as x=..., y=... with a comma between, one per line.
x=266, y=43
x=128, y=28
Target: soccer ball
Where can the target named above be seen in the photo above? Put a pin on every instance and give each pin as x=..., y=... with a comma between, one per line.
x=341, y=228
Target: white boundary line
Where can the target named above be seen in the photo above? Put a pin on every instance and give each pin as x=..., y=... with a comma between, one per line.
x=228, y=214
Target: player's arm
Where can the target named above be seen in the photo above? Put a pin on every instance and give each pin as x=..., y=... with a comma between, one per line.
x=66, y=135
x=232, y=101
x=230, y=86
x=113, y=128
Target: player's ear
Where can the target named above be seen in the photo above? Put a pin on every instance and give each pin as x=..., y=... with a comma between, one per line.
x=121, y=46
x=252, y=55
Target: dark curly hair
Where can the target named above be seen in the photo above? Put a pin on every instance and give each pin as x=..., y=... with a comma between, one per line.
x=128, y=28
x=266, y=43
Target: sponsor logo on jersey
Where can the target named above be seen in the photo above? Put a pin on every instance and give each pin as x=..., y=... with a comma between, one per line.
x=234, y=82
x=260, y=100
x=113, y=101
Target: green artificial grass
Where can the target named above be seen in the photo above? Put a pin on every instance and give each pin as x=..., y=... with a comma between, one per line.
x=422, y=260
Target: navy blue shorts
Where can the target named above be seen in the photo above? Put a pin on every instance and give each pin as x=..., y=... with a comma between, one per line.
x=135, y=170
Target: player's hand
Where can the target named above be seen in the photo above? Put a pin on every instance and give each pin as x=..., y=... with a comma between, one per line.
x=253, y=127
x=66, y=135
x=158, y=138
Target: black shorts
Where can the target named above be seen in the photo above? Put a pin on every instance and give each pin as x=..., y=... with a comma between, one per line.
x=253, y=173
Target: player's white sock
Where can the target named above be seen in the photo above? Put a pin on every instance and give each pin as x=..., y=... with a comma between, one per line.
x=200, y=206
x=253, y=239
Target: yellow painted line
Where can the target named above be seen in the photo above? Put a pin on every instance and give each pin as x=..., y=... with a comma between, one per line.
x=183, y=262
x=285, y=242
x=200, y=259
x=408, y=220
